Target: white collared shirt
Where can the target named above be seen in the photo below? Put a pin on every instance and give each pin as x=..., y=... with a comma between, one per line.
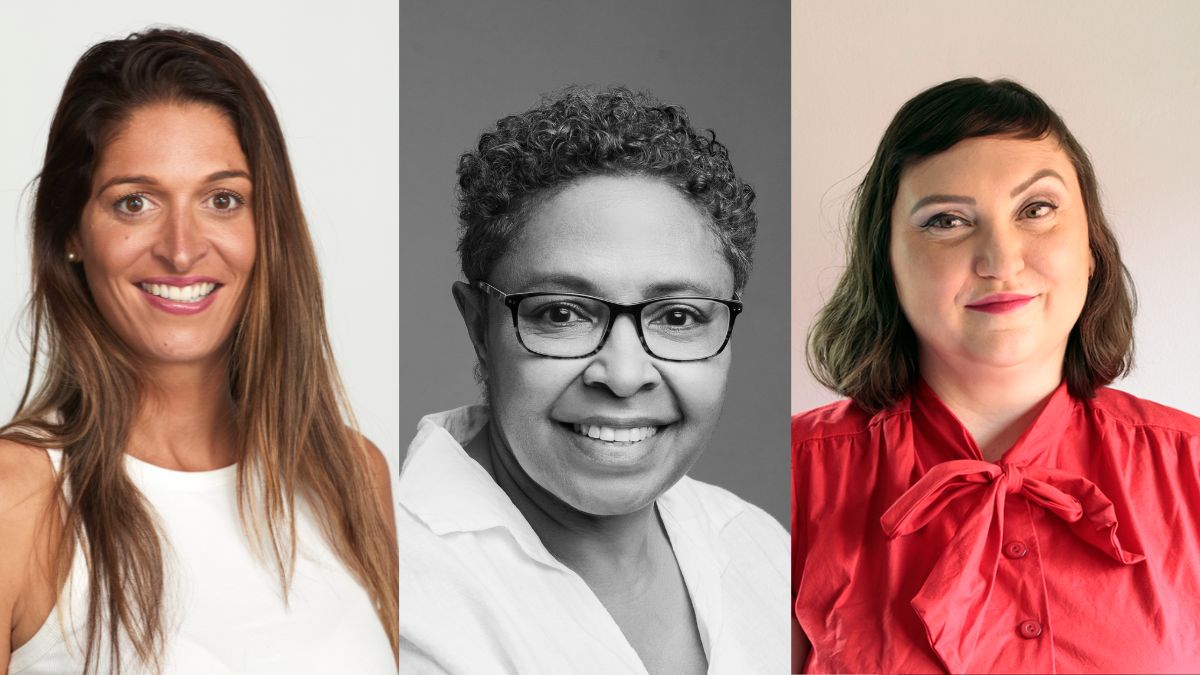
x=481, y=594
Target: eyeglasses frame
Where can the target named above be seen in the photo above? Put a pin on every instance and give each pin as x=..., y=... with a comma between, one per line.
x=615, y=309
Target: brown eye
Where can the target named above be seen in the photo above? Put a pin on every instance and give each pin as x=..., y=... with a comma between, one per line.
x=225, y=202
x=133, y=204
x=943, y=221
x=1038, y=210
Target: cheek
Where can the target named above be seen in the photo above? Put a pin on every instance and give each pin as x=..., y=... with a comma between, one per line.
x=109, y=253
x=1065, y=263
x=929, y=277
x=238, y=248
x=519, y=383
x=699, y=387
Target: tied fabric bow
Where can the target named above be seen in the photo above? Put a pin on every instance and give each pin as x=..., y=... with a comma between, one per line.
x=954, y=597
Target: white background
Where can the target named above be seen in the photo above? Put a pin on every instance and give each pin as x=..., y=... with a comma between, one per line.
x=330, y=69
x=1124, y=75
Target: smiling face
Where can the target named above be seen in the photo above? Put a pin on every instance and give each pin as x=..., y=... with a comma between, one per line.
x=167, y=237
x=625, y=239
x=989, y=247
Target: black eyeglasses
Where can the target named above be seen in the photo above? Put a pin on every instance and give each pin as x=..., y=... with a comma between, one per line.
x=572, y=326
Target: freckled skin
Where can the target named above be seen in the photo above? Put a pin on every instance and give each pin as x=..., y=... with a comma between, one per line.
x=623, y=234
x=178, y=231
x=1004, y=242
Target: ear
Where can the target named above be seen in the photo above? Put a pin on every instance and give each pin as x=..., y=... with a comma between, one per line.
x=73, y=245
x=474, y=314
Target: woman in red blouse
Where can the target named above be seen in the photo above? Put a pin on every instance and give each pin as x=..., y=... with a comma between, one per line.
x=982, y=502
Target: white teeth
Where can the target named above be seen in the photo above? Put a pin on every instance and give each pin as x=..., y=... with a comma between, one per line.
x=615, y=434
x=193, y=293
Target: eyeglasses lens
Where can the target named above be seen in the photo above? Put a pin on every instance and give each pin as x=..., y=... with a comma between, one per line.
x=572, y=326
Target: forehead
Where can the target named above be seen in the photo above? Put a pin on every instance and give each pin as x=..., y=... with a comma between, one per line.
x=621, y=237
x=172, y=142
x=984, y=164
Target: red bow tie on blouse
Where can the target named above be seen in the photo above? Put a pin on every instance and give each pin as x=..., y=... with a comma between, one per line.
x=960, y=583
x=953, y=599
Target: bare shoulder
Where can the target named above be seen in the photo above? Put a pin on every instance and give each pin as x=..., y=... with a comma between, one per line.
x=376, y=460
x=381, y=473
x=26, y=477
x=27, y=497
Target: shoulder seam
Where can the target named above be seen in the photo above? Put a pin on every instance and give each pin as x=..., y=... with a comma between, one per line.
x=1121, y=419
x=873, y=422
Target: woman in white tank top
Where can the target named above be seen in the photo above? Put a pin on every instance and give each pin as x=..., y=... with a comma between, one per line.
x=179, y=493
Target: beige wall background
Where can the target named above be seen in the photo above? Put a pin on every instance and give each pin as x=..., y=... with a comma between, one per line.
x=1126, y=78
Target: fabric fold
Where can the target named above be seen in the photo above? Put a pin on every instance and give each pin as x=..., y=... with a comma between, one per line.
x=952, y=600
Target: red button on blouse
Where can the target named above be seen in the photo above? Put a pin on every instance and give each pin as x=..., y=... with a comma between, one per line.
x=900, y=527
x=1015, y=550
x=1029, y=629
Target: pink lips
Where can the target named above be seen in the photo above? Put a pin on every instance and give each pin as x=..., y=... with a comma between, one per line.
x=172, y=306
x=1001, y=303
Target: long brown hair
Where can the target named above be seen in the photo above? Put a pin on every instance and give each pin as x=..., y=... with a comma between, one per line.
x=291, y=419
x=862, y=346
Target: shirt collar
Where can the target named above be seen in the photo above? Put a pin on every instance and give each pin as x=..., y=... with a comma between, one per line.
x=443, y=487
x=936, y=427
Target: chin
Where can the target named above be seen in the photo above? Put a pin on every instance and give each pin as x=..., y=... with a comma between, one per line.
x=611, y=500
x=1002, y=357
x=180, y=354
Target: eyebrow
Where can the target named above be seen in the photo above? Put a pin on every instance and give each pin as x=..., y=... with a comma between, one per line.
x=941, y=199
x=148, y=180
x=1035, y=178
x=959, y=199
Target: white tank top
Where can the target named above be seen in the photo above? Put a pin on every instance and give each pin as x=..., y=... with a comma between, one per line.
x=225, y=612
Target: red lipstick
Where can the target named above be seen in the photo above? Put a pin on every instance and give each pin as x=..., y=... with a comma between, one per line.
x=1001, y=303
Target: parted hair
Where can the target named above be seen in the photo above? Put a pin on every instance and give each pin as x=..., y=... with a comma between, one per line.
x=292, y=423
x=580, y=132
x=862, y=346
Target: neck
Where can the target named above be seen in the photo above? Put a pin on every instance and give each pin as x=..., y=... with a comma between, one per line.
x=615, y=553
x=185, y=420
x=995, y=404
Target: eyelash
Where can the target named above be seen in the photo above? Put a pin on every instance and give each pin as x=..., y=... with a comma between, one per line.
x=238, y=198
x=1041, y=202
x=941, y=217
x=931, y=224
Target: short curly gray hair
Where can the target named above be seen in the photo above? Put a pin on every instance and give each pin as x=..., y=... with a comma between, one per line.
x=581, y=132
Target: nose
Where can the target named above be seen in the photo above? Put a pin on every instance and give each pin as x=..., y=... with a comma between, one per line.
x=1001, y=253
x=622, y=366
x=181, y=244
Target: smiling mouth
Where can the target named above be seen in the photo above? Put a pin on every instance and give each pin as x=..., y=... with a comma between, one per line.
x=184, y=294
x=614, y=435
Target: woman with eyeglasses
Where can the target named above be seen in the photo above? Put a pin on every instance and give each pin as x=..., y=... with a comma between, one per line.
x=604, y=244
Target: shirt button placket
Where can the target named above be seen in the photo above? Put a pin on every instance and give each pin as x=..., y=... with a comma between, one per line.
x=1021, y=586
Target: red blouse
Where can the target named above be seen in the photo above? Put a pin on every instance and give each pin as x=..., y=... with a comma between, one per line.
x=1079, y=551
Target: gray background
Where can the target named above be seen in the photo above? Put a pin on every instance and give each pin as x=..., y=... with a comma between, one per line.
x=465, y=64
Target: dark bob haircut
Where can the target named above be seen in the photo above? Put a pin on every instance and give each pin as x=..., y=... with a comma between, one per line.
x=527, y=158
x=862, y=346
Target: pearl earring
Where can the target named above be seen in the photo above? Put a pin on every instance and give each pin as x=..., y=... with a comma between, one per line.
x=72, y=257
